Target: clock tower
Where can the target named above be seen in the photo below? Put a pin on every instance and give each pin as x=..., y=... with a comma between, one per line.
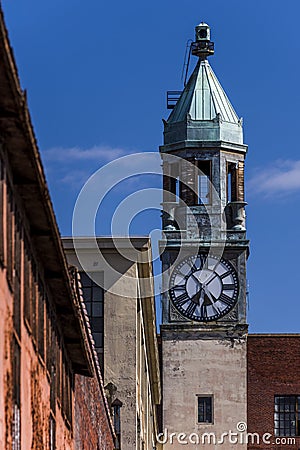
x=203, y=251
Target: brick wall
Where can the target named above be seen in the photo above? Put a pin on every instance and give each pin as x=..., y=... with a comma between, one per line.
x=273, y=369
x=92, y=430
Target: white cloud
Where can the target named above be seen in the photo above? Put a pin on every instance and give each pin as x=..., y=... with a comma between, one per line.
x=77, y=154
x=74, y=178
x=280, y=178
x=72, y=166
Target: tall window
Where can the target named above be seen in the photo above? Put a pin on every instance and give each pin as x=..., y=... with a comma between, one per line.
x=52, y=433
x=287, y=415
x=204, y=182
x=205, y=409
x=174, y=181
x=27, y=283
x=231, y=182
x=16, y=422
x=1, y=212
x=175, y=188
x=17, y=274
x=93, y=298
x=116, y=406
x=10, y=234
x=41, y=319
x=34, y=302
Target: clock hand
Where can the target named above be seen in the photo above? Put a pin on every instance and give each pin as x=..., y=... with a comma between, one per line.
x=196, y=279
x=196, y=297
x=201, y=298
x=210, y=279
x=209, y=295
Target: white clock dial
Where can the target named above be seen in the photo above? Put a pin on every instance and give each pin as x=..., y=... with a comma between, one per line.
x=204, y=288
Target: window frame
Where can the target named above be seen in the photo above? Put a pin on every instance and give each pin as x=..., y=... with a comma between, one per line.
x=2, y=190
x=16, y=395
x=205, y=396
x=88, y=284
x=282, y=415
x=208, y=175
x=231, y=181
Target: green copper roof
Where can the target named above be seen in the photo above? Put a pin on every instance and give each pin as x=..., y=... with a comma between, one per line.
x=203, y=98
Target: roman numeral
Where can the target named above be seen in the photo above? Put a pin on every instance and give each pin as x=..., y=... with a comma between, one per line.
x=226, y=300
x=179, y=287
x=203, y=259
x=228, y=287
x=204, y=311
x=224, y=275
x=182, y=299
x=191, y=308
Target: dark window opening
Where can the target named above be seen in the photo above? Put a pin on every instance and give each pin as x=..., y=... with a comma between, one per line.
x=59, y=375
x=116, y=407
x=203, y=33
x=10, y=235
x=93, y=296
x=205, y=406
x=1, y=212
x=34, y=302
x=204, y=182
x=49, y=354
x=287, y=415
x=41, y=320
x=66, y=390
x=232, y=182
x=27, y=283
x=175, y=185
x=17, y=276
x=53, y=388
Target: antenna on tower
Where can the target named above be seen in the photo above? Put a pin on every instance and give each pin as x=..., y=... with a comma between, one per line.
x=186, y=62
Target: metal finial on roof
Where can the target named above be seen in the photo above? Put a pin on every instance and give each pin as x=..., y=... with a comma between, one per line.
x=203, y=46
x=203, y=111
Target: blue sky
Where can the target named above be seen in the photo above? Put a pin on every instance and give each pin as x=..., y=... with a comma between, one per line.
x=97, y=73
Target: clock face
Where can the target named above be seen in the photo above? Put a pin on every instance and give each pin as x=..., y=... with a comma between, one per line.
x=204, y=288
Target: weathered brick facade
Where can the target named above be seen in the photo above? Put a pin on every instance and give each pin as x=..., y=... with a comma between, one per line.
x=273, y=369
x=90, y=403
